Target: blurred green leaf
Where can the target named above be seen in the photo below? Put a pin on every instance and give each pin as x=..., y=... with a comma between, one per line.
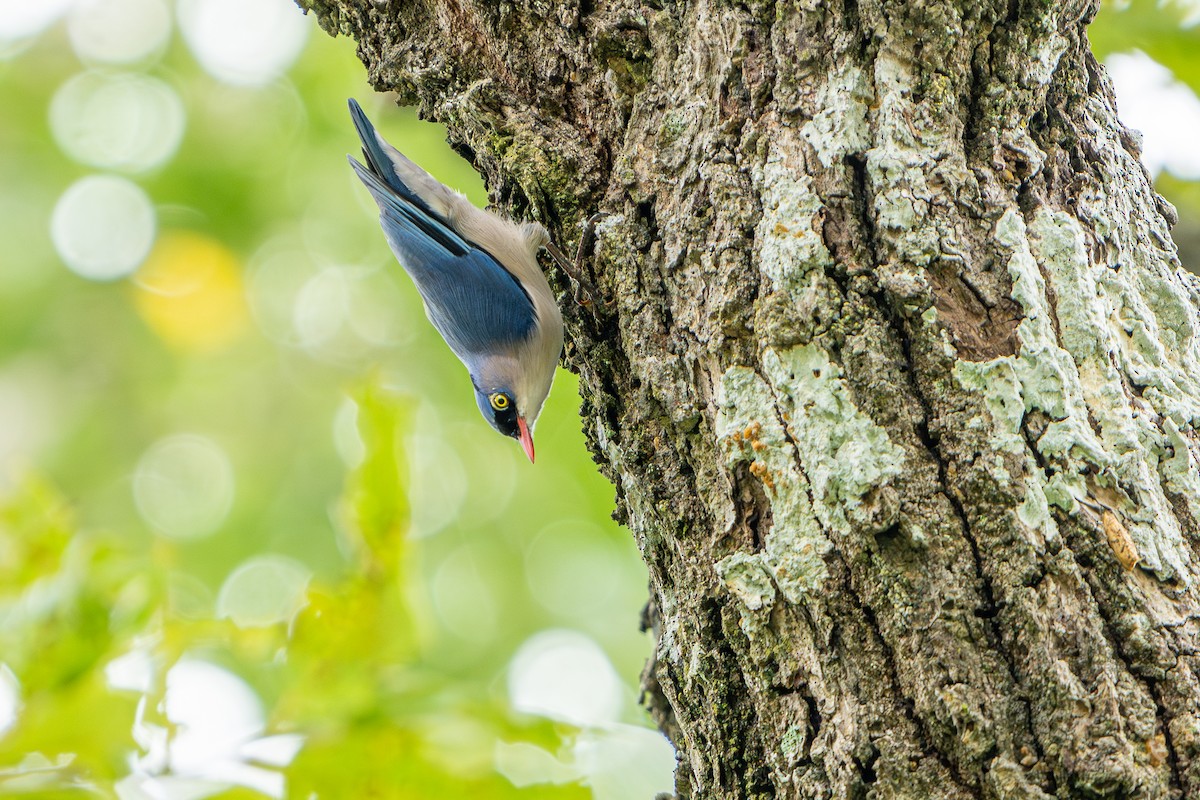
x=374, y=505
x=414, y=550
x=36, y=525
x=377, y=762
x=70, y=607
x=1156, y=28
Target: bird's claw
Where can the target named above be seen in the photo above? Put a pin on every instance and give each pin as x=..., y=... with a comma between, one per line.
x=584, y=292
x=581, y=298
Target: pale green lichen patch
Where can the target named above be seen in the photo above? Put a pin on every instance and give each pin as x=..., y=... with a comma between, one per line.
x=1153, y=321
x=791, y=744
x=900, y=162
x=997, y=381
x=840, y=127
x=1063, y=488
x=1158, y=344
x=793, y=548
x=791, y=251
x=748, y=579
x=819, y=472
x=1179, y=468
x=1034, y=511
x=1066, y=369
x=844, y=454
x=901, y=205
x=1043, y=374
x=1046, y=372
x=1090, y=340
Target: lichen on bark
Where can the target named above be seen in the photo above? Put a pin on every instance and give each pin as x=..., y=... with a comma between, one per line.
x=893, y=368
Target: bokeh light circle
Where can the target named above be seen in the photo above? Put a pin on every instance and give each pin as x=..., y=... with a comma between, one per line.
x=118, y=31
x=243, y=42
x=622, y=761
x=22, y=19
x=573, y=570
x=184, y=486
x=102, y=227
x=279, y=271
x=124, y=121
x=10, y=698
x=437, y=479
x=190, y=292
x=564, y=675
x=133, y=671
x=215, y=712
x=465, y=595
x=322, y=307
x=264, y=590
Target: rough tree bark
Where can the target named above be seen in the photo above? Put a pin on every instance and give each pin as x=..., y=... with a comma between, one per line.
x=896, y=378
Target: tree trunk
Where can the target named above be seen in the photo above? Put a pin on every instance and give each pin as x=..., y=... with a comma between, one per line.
x=893, y=366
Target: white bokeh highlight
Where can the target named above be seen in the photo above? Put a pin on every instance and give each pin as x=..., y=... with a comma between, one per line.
x=322, y=307
x=616, y=761
x=33, y=391
x=1164, y=110
x=525, y=764
x=118, y=31
x=264, y=590
x=243, y=42
x=1191, y=12
x=278, y=272
x=622, y=761
x=102, y=227
x=133, y=671
x=572, y=570
x=437, y=477
x=215, y=711
x=340, y=311
x=21, y=20
x=184, y=486
x=565, y=676
x=216, y=740
x=122, y=121
x=10, y=698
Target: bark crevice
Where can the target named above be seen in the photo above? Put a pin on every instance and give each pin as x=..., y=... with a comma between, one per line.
x=1099, y=591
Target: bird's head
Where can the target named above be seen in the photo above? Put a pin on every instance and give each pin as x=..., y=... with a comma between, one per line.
x=500, y=408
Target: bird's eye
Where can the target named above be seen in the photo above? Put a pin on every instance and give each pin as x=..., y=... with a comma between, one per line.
x=499, y=401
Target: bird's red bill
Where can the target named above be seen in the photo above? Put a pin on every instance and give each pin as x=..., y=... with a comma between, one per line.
x=526, y=438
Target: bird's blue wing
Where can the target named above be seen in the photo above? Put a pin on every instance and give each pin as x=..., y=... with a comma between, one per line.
x=476, y=304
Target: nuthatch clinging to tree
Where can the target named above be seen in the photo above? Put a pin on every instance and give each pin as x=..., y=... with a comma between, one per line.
x=479, y=278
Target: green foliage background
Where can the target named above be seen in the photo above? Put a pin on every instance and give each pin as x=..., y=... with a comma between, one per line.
x=431, y=551
x=434, y=548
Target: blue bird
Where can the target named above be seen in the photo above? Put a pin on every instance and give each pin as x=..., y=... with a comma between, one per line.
x=480, y=281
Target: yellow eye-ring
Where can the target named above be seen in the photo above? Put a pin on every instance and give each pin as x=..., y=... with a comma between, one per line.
x=499, y=401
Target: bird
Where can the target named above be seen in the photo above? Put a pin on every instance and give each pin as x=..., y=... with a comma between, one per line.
x=478, y=276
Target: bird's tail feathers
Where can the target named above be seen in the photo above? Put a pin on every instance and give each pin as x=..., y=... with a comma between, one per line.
x=412, y=218
x=377, y=158
x=401, y=174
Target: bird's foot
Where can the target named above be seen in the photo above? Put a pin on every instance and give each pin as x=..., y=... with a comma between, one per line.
x=583, y=291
